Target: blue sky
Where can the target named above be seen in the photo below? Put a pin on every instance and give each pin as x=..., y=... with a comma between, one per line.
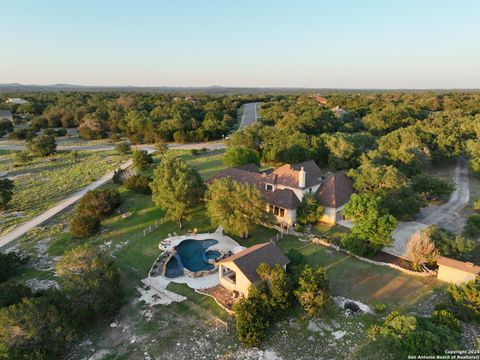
x=302, y=43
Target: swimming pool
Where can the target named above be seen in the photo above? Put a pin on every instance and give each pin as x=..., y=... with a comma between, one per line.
x=193, y=256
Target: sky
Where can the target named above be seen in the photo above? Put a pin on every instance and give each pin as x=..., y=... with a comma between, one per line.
x=244, y=43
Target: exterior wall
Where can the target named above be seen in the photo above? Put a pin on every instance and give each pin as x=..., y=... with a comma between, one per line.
x=299, y=192
x=290, y=216
x=241, y=285
x=330, y=216
x=454, y=276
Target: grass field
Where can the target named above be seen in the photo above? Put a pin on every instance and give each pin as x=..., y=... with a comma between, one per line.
x=45, y=181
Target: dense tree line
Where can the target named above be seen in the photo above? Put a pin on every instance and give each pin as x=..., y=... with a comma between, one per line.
x=142, y=117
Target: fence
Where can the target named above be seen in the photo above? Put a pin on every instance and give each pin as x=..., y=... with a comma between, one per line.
x=152, y=227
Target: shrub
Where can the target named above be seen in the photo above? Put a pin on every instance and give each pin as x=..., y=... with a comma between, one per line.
x=476, y=205
x=449, y=244
x=161, y=147
x=10, y=263
x=194, y=152
x=252, y=318
x=61, y=132
x=123, y=147
x=237, y=156
x=99, y=203
x=13, y=293
x=472, y=228
x=466, y=298
x=310, y=210
x=6, y=192
x=421, y=250
x=313, y=291
x=379, y=307
x=22, y=134
x=142, y=159
x=139, y=184
x=21, y=157
x=91, y=283
x=42, y=145
x=431, y=187
x=83, y=225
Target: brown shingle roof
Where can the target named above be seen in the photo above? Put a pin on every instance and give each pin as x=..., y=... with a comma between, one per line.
x=287, y=174
x=335, y=190
x=285, y=198
x=249, y=259
x=459, y=265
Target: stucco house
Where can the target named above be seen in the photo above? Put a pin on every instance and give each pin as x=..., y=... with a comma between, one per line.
x=239, y=271
x=455, y=271
x=17, y=101
x=284, y=188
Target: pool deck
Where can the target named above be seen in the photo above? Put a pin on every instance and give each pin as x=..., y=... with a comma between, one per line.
x=224, y=245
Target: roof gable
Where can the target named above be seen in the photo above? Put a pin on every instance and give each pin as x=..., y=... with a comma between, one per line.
x=288, y=174
x=250, y=259
x=336, y=190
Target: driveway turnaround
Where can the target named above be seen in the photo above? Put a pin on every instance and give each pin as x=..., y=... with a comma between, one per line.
x=249, y=115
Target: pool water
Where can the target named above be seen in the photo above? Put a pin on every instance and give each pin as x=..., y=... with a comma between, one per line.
x=192, y=255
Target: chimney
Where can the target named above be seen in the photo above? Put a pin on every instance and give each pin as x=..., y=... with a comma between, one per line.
x=302, y=175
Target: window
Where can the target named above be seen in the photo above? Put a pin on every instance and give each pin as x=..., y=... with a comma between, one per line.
x=282, y=212
x=269, y=187
x=270, y=208
x=310, y=190
x=276, y=211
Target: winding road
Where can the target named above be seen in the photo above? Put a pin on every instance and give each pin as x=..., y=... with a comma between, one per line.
x=249, y=116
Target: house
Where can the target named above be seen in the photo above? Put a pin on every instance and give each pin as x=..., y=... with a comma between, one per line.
x=17, y=101
x=239, y=271
x=6, y=115
x=339, y=112
x=320, y=99
x=334, y=193
x=455, y=271
x=284, y=188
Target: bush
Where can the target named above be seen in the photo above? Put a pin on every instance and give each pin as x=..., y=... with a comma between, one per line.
x=472, y=228
x=421, y=250
x=476, y=205
x=99, y=203
x=379, y=307
x=237, y=156
x=431, y=187
x=61, y=132
x=13, y=293
x=10, y=263
x=33, y=329
x=448, y=244
x=313, y=291
x=83, y=225
x=252, y=318
x=22, y=134
x=142, y=160
x=91, y=283
x=466, y=298
x=194, y=152
x=310, y=211
x=42, y=145
x=139, y=184
x=6, y=192
x=123, y=147
x=21, y=157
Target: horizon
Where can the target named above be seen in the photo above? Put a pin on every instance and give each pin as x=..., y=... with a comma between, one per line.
x=305, y=45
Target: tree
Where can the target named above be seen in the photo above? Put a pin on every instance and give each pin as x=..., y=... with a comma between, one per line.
x=42, y=145
x=252, y=318
x=466, y=297
x=421, y=250
x=176, y=188
x=138, y=183
x=313, y=291
x=373, y=227
x=6, y=192
x=21, y=157
x=310, y=211
x=33, y=329
x=90, y=282
x=277, y=287
x=236, y=156
x=476, y=205
x=123, y=147
x=161, y=147
x=91, y=129
x=12, y=292
x=142, y=160
x=235, y=206
x=84, y=225
x=431, y=187
x=99, y=203
x=449, y=244
x=472, y=227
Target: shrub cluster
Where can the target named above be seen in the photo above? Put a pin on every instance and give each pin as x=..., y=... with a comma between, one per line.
x=139, y=184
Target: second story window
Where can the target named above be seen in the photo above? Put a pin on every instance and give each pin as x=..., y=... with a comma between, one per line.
x=269, y=187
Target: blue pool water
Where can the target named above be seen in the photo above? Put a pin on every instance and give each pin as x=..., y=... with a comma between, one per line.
x=192, y=255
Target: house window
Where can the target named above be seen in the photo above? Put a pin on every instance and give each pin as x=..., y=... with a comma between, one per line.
x=310, y=190
x=270, y=208
x=276, y=210
x=282, y=212
x=269, y=187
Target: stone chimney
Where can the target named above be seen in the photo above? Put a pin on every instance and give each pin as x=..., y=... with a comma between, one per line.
x=302, y=176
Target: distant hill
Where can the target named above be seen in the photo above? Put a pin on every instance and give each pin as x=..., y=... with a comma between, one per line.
x=16, y=87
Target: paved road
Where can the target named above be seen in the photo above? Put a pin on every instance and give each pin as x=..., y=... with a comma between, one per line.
x=208, y=145
x=249, y=115
x=62, y=205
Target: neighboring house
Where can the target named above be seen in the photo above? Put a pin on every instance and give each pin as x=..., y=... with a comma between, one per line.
x=320, y=99
x=285, y=187
x=338, y=111
x=334, y=193
x=237, y=272
x=456, y=272
x=6, y=115
x=17, y=101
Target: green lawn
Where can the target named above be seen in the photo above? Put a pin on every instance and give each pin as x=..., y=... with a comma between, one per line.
x=45, y=181
x=207, y=164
